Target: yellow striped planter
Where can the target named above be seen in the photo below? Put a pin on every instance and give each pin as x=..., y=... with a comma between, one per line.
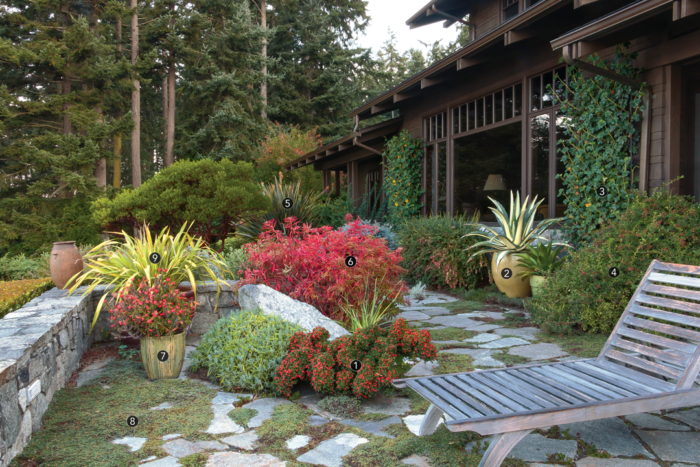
x=155, y=367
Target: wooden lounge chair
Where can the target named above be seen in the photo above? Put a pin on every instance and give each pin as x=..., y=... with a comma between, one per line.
x=650, y=362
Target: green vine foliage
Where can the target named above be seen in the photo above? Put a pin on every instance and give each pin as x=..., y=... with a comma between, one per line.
x=600, y=138
x=402, y=187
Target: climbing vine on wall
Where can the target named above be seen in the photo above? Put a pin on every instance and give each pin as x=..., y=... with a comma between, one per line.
x=600, y=137
x=402, y=187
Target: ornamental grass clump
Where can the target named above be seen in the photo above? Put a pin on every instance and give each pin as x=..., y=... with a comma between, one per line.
x=327, y=365
x=179, y=257
x=309, y=265
x=155, y=309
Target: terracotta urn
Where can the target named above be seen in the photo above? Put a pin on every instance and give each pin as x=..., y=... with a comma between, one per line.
x=65, y=262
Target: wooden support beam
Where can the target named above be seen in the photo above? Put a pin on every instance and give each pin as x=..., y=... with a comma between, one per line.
x=511, y=37
x=331, y=151
x=380, y=109
x=584, y=48
x=580, y=3
x=463, y=63
x=402, y=96
x=684, y=8
x=427, y=82
x=342, y=147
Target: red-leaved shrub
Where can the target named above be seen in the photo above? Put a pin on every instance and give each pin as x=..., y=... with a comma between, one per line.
x=327, y=364
x=308, y=264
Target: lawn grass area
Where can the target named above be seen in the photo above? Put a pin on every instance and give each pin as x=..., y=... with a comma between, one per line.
x=584, y=345
x=242, y=416
x=508, y=359
x=450, y=334
x=81, y=423
x=463, y=345
x=453, y=363
x=515, y=320
x=489, y=295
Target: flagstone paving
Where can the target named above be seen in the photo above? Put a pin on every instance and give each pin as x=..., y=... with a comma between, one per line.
x=664, y=439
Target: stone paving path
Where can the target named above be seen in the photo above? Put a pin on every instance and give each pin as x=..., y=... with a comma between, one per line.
x=668, y=439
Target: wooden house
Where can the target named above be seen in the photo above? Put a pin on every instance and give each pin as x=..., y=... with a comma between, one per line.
x=488, y=121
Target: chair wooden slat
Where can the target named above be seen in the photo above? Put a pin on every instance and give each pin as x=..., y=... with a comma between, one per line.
x=505, y=391
x=615, y=368
x=435, y=399
x=678, y=268
x=663, y=328
x=551, y=378
x=522, y=387
x=531, y=397
x=564, y=395
x=554, y=383
x=665, y=315
x=650, y=287
x=627, y=384
x=656, y=340
x=451, y=399
x=669, y=303
x=597, y=382
x=676, y=280
x=485, y=400
x=621, y=343
x=598, y=391
x=487, y=391
x=652, y=367
x=475, y=409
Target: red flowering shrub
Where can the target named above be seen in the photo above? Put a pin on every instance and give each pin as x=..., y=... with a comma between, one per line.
x=152, y=310
x=308, y=264
x=327, y=364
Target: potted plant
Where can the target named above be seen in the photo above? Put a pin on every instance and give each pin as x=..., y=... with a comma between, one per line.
x=541, y=261
x=119, y=264
x=160, y=315
x=517, y=232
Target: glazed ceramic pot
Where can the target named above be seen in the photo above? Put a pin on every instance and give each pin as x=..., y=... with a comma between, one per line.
x=163, y=356
x=507, y=281
x=65, y=262
x=536, y=283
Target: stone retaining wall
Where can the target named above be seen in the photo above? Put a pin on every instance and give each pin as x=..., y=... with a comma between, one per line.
x=41, y=345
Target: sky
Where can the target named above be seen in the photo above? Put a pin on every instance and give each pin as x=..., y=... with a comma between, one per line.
x=393, y=14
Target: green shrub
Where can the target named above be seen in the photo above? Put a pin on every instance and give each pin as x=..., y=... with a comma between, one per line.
x=236, y=260
x=15, y=294
x=210, y=195
x=434, y=252
x=243, y=351
x=342, y=406
x=20, y=267
x=581, y=294
x=333, y=210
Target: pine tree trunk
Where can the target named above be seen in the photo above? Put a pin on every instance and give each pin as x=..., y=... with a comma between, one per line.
x=169, y=156
x=117, y=164
x=135, y=102
x=165, y=114
x=101, y=164
x=263, y=86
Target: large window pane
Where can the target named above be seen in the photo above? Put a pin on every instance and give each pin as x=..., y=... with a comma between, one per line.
x=429, y=179
x=562, y=122
x=539, y=135
x=518, y=99
x=498, y=106
x=559, y=81
x=489, y=110
x=495, y=153
x=433, y=125
x=509, y=103
x=439, y=126
x=455, y=120
x=480, y=113
x=535, y=93
x=472, y=115
x=547, y=93
x=442, y=178
x=463, y=118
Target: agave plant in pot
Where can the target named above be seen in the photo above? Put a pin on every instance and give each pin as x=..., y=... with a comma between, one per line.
x=517, y=233
x=160, y=315
x=541, y=261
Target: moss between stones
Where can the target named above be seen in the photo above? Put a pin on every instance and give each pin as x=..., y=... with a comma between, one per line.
x=242, y=416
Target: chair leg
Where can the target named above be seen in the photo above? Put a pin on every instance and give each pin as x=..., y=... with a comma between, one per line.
x=430, y=422
x=500, y=446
